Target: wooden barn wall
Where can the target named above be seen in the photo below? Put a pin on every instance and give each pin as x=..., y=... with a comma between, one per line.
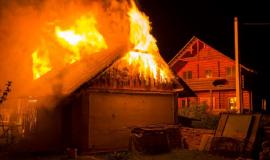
x=46, y=136
x=112, y=115
x=62, y=126
x=77, y=122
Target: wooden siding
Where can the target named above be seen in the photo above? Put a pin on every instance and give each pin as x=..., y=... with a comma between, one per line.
x=206, y=59
x=206, y=84
x=220, y=99
x=112, y=115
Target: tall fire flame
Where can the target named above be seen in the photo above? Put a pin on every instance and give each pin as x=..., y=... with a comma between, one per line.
x=83, y=37
x=145, y=53
x=140, y=29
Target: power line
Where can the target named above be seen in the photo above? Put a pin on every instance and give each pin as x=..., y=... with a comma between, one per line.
x=257, y=24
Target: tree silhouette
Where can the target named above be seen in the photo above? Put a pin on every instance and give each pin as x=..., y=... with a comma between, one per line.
x=5, y=93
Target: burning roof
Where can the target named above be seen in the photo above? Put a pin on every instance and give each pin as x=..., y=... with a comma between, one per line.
x=76, y=42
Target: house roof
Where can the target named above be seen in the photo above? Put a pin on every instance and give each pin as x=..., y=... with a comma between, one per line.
x=187, y=91
x=66, y=80
x=180, y=54
x=178, y=65
x=182, y=49
x=127, y=79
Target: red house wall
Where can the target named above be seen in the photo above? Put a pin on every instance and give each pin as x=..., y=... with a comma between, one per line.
x=207, y=58
x=220, y=100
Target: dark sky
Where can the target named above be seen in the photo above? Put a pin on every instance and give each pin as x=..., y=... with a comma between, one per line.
x=175, y=22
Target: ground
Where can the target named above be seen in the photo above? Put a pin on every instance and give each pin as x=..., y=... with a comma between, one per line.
x=173, y=155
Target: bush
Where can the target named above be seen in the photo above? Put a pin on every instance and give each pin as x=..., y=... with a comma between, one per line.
x=207, y=121
x=201, y=118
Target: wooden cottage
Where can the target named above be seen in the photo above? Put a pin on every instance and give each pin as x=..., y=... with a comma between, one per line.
x=107, y=107
x=93, y=101
x=211, y=75
x=103, y=108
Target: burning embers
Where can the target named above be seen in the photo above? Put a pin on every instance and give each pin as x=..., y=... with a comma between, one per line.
x=142, y=65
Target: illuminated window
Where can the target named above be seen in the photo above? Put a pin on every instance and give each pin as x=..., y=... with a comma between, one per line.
x=187, y=75
x=208, y=73
x=230, y=71
x=232, y=103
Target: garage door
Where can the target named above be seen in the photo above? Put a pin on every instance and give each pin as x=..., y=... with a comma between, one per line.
x=112, y=115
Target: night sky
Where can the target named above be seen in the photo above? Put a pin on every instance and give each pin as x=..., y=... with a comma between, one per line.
x=175, y=22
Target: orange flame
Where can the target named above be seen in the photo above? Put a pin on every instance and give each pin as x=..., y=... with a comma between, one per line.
x=81, y=38
x=140, y=31
x=84, y=35
x=41, y=64
x=145, y=62
x=145, y=53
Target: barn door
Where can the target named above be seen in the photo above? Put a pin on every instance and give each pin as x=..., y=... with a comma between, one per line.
x=113, y=115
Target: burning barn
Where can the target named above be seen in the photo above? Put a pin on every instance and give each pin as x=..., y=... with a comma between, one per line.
x=102, y=86
x=104, y=110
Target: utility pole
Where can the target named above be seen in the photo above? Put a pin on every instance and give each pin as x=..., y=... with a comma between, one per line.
x=238, y=86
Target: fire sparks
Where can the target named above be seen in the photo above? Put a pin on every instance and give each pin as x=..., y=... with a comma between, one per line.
x=82, y=36
x=41, y=64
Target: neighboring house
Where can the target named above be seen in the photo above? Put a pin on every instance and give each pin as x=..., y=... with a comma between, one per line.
x=211, y=75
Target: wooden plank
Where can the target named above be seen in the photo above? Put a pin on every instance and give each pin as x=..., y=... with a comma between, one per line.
x=253, y=132
x=221, y=125
x=237, y=126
